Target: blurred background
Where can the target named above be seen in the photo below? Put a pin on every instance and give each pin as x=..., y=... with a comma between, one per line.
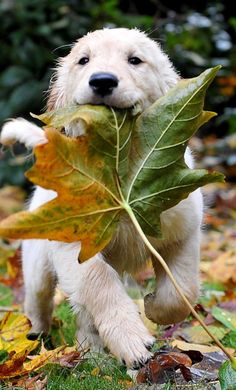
x=196, y=35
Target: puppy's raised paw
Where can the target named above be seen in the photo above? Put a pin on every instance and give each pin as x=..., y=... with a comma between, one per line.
x=167, y=312
x=21, y=130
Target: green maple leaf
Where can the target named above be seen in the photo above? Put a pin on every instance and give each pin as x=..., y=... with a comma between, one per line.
x=123, y=163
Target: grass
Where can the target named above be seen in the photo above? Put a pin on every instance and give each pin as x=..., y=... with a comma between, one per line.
x=6, y=296
x=63, y=328
x=96, y=371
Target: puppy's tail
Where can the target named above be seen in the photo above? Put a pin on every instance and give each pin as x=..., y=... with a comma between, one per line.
x=21, y=130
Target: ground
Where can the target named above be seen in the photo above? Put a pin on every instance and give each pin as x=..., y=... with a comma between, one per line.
x=175, y=365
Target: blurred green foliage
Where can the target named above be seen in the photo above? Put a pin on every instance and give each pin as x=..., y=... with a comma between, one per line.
x=33, y=33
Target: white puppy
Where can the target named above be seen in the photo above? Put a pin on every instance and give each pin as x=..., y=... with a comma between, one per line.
x=119, y=68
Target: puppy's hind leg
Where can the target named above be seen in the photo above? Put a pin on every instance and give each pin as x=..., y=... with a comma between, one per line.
x=40, y=282
x=165, y=306
x=181, y=227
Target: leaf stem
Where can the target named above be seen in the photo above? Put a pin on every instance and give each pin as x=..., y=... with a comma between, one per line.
x=176, y=285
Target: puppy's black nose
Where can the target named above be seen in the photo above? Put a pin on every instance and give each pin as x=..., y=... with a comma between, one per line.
x=103, y=83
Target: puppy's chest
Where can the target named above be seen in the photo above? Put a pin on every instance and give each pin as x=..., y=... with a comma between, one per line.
x=126, y=251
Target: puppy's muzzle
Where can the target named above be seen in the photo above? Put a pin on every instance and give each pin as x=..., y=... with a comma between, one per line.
x=103, y=83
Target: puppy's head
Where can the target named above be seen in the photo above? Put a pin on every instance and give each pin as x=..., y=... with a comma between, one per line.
x=116, y=67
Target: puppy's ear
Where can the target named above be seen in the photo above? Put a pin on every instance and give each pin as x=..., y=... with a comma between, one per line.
x=169, y=80
x=167, y=77
x=53, y=93
x=56, y=91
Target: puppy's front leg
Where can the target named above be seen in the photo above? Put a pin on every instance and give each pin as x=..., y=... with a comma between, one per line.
x=21, y=130
x=96, y=286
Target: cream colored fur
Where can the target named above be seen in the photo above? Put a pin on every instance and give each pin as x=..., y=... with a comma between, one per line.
x=106, y=315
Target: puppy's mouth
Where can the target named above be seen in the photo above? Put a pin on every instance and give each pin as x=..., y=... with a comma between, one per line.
x=135, y=108
x=77, y=127
x=123, y=102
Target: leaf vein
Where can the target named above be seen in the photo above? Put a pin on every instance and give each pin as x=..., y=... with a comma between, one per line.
x=161, y=192
x=161, y=136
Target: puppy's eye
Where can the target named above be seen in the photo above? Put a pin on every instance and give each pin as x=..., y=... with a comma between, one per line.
x=134, y=60
x=83, y=60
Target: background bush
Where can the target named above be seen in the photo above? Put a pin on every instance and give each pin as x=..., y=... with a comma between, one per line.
x=35, y=32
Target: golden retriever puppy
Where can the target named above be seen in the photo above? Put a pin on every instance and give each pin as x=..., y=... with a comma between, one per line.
x=119, y=68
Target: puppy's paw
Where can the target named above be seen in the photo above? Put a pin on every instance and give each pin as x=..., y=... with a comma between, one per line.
x=134, y=351
x=21, y=130
x=129, y=341
x=172, y=311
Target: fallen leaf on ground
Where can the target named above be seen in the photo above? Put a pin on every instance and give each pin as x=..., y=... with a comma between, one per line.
x=229, y=304
x=223, y=269
x=38, y=382
x=16, y=361
x=226, y=317
x=196, y=334
x=155, y=370
x=64, y=356
x=208, y=368
x=14, y=328
x=184, y=346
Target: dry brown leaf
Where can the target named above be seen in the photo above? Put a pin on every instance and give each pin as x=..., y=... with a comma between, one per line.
x=68, y=357
x=184, y=346
x=196, y=334
x=223, y=269
x=14, y=272
x=14, y=328
x=63, y=355
x=155, y=370
x=13, y=331
x=38, y=382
